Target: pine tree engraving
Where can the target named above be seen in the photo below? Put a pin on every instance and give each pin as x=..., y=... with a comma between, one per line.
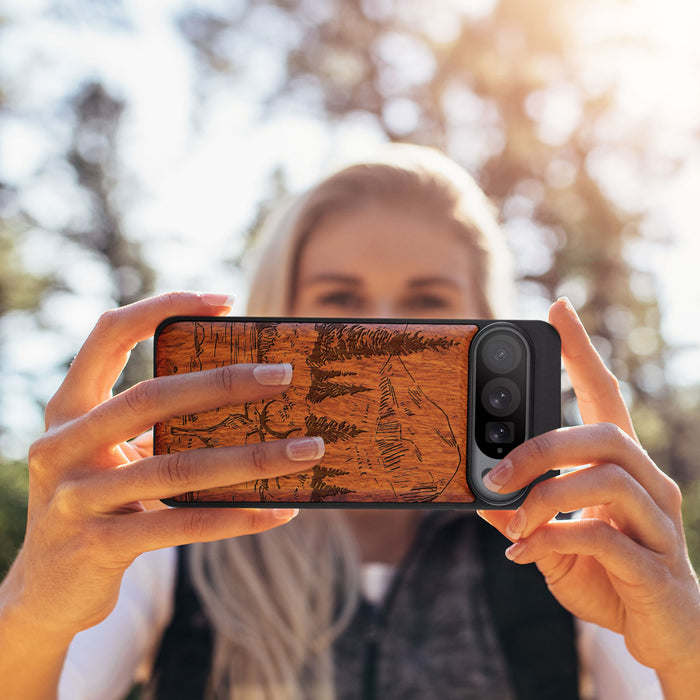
x=264, y=337
x=342, y=341
x=320, y=489
x=322, y=388
x=330, y=429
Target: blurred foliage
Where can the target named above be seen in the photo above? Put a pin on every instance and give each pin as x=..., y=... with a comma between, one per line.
x=93, y=154
x=19, y=290
x=691, y=520
x=90, y=157
x=14, y=482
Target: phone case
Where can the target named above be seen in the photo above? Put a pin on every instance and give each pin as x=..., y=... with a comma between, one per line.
x=390, y=399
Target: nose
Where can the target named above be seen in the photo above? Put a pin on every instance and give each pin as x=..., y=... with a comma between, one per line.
x=383, y=308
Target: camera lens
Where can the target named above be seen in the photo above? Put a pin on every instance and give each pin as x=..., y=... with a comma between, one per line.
x=500, y=396
x=502, y=353
x=499, y=432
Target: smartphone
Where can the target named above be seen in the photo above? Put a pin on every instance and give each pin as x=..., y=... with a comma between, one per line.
x=413, y=413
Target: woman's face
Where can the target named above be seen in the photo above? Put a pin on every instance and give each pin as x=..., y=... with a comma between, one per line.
x=385, y=261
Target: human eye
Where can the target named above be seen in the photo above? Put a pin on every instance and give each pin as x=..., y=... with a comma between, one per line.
x=427, y=303
x=344, y=300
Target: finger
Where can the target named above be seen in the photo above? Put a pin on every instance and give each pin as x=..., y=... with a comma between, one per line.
x=170, y=475
x=102, y=357
x=618, y=554
x=606, y=486
x=596, y=388
x=138, y=408
x=143, y=444
x=141, y=532
x=583, y=444
x=497, y=518
x=131, y=452
x=138, y=448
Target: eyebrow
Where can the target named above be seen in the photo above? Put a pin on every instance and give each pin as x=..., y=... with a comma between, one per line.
x=433, y=281
x=419, y=282
x=333, y=277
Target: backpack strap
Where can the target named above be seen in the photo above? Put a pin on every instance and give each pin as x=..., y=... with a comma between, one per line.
x=536, y=633
x=183, y=664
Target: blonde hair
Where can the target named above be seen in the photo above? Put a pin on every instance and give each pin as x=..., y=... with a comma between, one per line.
x=277, y=600
x=416, y=176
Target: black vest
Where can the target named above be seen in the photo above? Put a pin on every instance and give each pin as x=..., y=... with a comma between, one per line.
x=534, y=634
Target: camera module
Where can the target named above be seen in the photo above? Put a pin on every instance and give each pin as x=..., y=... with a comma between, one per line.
x=505, y=359
x=501, y=389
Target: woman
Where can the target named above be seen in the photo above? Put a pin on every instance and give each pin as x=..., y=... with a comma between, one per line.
x=623, y=566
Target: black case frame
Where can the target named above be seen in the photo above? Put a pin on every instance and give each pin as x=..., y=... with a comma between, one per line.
x=545, y=349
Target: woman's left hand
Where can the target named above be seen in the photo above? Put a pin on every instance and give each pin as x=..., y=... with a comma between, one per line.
x=623, y=564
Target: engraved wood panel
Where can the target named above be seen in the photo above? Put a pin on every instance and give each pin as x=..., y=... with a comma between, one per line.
x=390, y=403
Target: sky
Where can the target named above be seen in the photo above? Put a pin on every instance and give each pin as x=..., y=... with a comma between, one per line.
x=186, y=184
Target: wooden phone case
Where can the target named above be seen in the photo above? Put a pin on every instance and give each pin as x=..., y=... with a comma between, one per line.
x=389, y=398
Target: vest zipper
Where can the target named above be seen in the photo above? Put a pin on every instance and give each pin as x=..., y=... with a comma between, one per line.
x=369, y=675
x=378, y=614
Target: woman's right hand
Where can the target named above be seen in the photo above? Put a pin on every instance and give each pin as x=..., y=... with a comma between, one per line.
x=87, y=516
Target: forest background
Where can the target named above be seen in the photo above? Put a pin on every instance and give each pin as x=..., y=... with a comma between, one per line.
x=140, y=143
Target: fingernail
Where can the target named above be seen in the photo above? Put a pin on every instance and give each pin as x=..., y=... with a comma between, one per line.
x=499, y=476
x=515, y=550
x=285, y=514
x=517, y=524
x=569, y=306
x=218, y=299
x=273, y=375
x=302, y=449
